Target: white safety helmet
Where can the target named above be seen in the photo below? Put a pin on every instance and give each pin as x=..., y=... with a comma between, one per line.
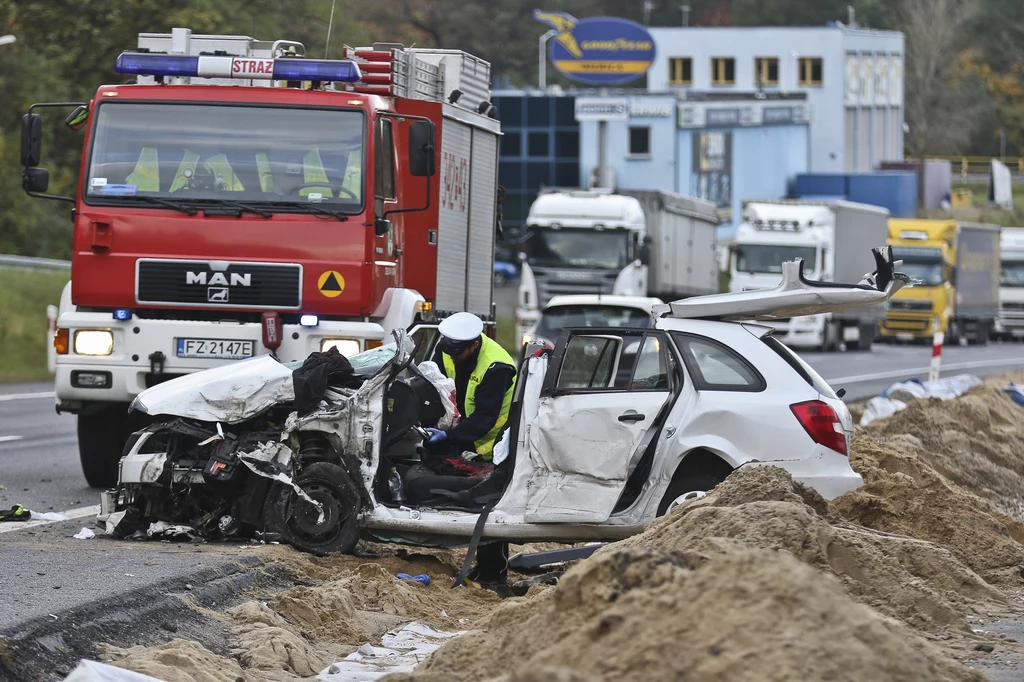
x=459, y=331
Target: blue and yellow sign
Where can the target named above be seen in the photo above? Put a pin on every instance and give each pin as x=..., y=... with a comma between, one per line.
x=598, y=51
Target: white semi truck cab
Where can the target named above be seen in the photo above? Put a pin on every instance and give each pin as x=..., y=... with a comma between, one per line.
x=580, y=242
x=831, y=237
x=1010, y=320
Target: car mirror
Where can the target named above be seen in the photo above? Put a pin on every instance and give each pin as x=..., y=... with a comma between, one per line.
x=31, y=139
x=35, y=180
x=77, y=119
x=422, y=161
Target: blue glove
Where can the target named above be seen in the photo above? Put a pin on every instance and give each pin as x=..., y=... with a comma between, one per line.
x=436, y=435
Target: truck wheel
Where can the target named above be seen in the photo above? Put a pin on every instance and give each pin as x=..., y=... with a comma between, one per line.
x=831, y=336
x=102, y=435
x=865, y=337
x=982, y=333
x=952, y=337
x=298, y=522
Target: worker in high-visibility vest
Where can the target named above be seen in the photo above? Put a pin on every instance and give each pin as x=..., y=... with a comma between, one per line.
x=485, y=379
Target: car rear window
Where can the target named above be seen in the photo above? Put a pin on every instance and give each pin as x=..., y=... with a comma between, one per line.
x=805, y=371
x=555, y=319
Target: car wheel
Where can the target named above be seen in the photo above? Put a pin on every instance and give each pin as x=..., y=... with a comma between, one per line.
x=102, y=436
x=685, y=488
x=298, y=522
x=499, y=279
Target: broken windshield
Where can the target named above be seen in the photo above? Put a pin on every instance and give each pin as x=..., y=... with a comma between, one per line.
x=768, y=258
x=245, y=154
x=577, y=248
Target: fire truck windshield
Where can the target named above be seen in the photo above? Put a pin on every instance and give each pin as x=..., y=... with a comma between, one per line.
x=252, y=154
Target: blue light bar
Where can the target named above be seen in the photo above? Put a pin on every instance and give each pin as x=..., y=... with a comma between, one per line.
x=221, y=66
x=338, y=71
x=309, y=320
x=122, y=314
x=140, y=63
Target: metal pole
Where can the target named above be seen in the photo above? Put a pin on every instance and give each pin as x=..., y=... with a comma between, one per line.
x=542, y=61
x=686, y=15
x=602, y=135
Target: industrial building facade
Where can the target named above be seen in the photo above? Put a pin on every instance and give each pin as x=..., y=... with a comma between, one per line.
x=852, y=77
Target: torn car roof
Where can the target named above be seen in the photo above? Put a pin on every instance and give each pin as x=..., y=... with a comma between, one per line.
x=796, y=295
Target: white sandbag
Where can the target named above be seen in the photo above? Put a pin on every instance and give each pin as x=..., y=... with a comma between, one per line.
x=879, y=408
x=905, y=391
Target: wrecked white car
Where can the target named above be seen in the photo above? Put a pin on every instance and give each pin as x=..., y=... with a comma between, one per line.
x=608, y=430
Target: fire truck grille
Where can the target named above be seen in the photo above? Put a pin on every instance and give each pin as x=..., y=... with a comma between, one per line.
x=240, y=285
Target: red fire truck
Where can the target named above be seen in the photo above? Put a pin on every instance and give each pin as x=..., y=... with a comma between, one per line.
x=237, y=198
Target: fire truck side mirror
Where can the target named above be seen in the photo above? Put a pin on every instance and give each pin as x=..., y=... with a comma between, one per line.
x=35, y=180
x=31, y=139
x=77, y=119
x=422, y=150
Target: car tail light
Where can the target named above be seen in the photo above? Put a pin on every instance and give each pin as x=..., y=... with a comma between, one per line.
x=822, y=424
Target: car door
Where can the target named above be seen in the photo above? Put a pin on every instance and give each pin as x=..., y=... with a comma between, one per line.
x=602, y=394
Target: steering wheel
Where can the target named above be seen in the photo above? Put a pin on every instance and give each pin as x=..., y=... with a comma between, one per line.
x=341, y=188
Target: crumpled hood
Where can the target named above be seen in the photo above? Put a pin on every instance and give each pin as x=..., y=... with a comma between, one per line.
x=228, y=394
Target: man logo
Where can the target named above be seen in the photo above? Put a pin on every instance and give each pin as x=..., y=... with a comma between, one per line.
x=237, y=279
x=217, y=294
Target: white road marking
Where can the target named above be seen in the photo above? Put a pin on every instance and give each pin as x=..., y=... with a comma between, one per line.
x=78, y=513
x=893, y=374
x=26, y=396
x=8, y=439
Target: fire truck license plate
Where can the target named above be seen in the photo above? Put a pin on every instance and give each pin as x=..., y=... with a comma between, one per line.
x=222, y=349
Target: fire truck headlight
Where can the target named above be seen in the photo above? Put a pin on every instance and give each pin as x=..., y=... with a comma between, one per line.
x=346, y=347
x=94, y=342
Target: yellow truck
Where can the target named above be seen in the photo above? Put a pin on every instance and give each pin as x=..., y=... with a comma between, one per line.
x=958, y=265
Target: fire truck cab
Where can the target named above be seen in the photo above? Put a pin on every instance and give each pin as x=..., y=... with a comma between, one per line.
x=237, y=198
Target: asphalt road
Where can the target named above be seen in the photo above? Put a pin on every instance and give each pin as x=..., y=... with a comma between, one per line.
x=47, y=571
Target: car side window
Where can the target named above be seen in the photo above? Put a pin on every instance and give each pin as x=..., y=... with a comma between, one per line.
x=651, y=370
x=626, y=361
x=716, y=367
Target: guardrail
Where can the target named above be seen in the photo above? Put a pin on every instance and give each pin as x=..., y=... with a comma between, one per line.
x=33, y=263
x=976, y=165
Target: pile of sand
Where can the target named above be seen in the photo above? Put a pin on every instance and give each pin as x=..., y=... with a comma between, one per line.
x=903, y=494
x=298, y=633
x=643, y=614
x=758, y=576
x=976, y=441
x=761, y=579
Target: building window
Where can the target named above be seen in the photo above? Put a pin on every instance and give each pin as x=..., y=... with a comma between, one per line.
x=766, y=71
x=723, y=71
x=639, y=141
x=810, y=71
x=680, y=71
x=539, y=144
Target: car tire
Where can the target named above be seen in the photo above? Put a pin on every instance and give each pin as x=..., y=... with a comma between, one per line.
x=102, y=435
x=499, y=279
x=686, y=484
x=287, y=514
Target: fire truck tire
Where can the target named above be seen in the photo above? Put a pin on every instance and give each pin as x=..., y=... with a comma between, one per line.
x=102, y=435
x=298, y=522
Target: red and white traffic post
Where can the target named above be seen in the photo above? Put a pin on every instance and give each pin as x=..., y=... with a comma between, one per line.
x=933, y=371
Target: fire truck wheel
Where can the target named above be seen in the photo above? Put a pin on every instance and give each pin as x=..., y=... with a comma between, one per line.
x=301, y=524
x=102, y=435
